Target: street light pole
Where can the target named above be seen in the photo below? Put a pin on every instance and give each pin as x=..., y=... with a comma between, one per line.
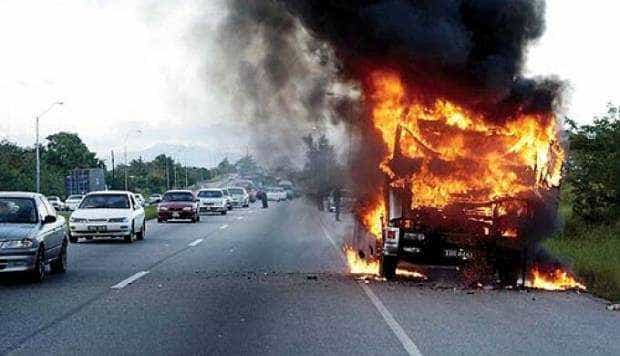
x=126, y=163
x=38, y=164
x=38, y=155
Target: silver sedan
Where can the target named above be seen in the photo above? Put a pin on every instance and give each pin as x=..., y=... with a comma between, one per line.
x=31, y=235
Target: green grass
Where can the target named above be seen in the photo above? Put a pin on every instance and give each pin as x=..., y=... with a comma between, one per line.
x=150, y=212
x=593, y=251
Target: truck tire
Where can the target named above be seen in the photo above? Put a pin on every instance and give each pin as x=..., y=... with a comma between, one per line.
x=509, y=269
x=387, y=267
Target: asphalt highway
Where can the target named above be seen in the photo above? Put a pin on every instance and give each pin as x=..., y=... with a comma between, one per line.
x=273, y=281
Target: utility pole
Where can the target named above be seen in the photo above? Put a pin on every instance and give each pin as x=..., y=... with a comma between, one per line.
x=113, y=170
x=127, y=163
x=167, y=173
x=38, y=167
x=186, y=182
x=175, y=175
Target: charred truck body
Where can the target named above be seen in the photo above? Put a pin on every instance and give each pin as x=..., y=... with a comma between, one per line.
x=491, y=239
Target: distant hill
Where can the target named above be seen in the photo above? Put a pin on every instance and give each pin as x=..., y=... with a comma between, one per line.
x=195, y=155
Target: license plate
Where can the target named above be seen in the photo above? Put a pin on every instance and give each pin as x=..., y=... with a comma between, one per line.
x=450, y=253
x=457, y=253
x=175, y=215
x=98, y=228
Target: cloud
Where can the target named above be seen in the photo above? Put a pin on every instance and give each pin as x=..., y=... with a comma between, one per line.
x=117, y=65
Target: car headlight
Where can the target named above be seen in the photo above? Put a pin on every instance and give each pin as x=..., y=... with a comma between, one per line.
x=162, y=208
x=25, y=243
x=76, y=220
x=118, y=220
x=187, y=208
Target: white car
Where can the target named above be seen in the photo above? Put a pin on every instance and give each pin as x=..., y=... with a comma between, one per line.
x=73, y=201
x=56, y=202
x=110, y=214
x=239, y=197
x=212, y=201
x=228, y=198
x=276, y=194
x=155, y=198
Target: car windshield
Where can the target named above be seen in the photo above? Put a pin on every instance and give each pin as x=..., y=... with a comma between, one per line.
x=225, y=191
x=181, y=196
x=74, y=197
x=236, y=191
x=210, y=194
x=105, y=201
x=17, y=211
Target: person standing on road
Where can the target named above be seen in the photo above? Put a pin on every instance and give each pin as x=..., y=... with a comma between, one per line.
x=337, y=196
x=263, y=198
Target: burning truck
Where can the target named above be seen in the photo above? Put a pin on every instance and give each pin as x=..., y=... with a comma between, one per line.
x=459, y=189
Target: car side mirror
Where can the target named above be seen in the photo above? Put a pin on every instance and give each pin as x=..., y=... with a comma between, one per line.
x=49, y=219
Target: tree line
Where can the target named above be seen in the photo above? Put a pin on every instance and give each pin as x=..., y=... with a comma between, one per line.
x=64, y=152
x=592, y=184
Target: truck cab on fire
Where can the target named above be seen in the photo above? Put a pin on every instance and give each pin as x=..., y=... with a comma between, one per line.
x=478, y=236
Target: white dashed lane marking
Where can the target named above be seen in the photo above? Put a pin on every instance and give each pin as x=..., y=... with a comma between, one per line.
x=130, y=280
x=195, y=243
x=224, y=227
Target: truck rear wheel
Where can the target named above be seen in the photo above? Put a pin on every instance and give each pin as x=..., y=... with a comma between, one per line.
x=388, y=266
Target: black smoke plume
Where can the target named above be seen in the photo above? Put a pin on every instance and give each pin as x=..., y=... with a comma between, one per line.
x=289, y=56
x=471, y=52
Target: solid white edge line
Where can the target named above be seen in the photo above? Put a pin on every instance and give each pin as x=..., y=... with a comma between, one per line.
x=239, y=217
x=400, y=333
x=326, y=234
x=223, y=226
x=194, y=243
x=130, y=280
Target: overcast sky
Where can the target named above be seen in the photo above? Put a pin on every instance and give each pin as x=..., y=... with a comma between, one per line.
x=120, y=66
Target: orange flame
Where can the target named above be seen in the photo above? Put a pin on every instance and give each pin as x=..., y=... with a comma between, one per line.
x=463, y=153
x=555, y=280
x=372, y=219
x=358, y=265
